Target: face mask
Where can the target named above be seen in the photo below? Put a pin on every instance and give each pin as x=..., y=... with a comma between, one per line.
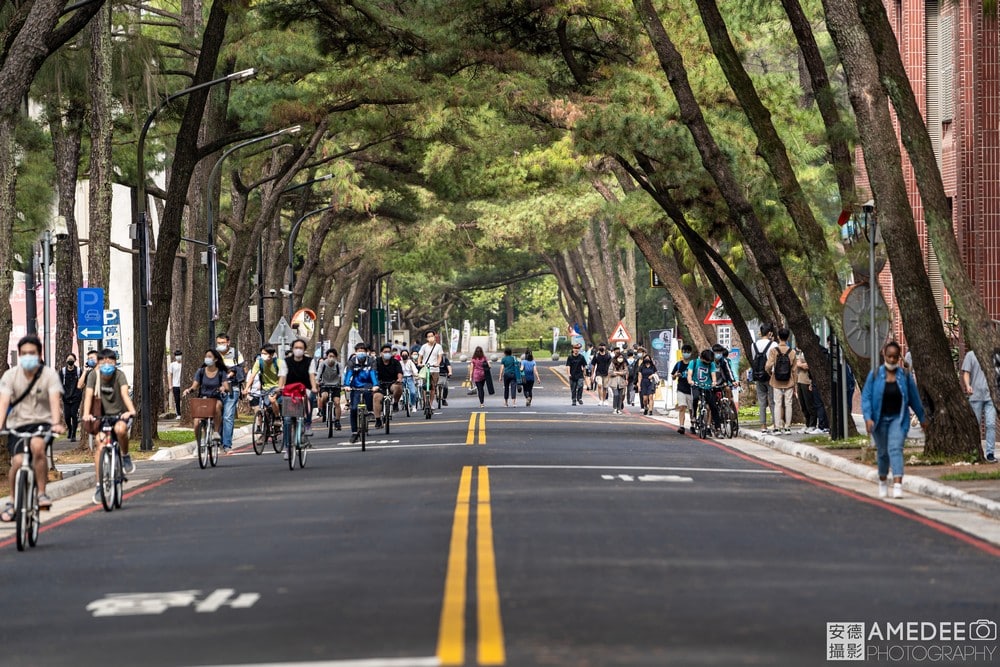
x=209, y=361
x=404, y=357
x=221, y=348
x=29, y=362
x=331, y=360
x=387, y=356
x=891, y=367
x=70, y=362
x=718, y=356
x=91, y=363
x=298, y=354
x=361, y=356
x=686, y=355
x=107, y=369
x=265, y=357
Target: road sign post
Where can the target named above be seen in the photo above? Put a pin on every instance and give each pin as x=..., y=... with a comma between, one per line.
x=282, y=335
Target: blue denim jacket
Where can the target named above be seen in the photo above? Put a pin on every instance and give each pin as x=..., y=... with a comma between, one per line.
x=871, y=397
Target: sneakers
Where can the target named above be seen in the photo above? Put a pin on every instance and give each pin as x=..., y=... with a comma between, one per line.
x=336, y=424
x=127, y=464
x=897, y=490
x=395, y=406
x=97, y=495
x=681, y=430
x=444, y=402
x=883, y=490
x=765, y=430
x=574, y=403
x=786, y=431
x=355, y=437
x=284, y=454
x=991, y=458
x=378, y=423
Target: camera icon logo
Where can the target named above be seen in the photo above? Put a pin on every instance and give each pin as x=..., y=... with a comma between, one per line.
x=983, y=630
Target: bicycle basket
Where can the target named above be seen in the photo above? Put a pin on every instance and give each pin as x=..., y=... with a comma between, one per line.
x=293, y=407
x=203, y=408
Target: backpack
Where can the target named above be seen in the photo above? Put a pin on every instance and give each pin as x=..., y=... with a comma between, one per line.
x=783, y=366
x=760, y=364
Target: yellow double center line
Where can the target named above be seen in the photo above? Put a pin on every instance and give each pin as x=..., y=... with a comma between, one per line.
x=470, y=438
x=451, y=638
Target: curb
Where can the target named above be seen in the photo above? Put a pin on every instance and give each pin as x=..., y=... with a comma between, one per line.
x=189, y=448
x=912, y=483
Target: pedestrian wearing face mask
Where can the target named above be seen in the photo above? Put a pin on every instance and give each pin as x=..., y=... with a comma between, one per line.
x=648, y=379
x=633, y=376
x=617, y=381
x=890, y=392
x=70, y=375
x=88, y=367
x=174, y=375
x=211, y=380
x=680, y=373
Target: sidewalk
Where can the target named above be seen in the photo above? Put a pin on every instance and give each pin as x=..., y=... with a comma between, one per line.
x=982, y=496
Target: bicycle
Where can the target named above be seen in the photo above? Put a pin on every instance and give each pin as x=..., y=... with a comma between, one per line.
x=329, y=412
x=111, y=473
x=208, y=445
x=387, y=408
x=26, y=509
x=439, y=392
x=730, y=422
x=265, y=427
x=294, y=408
x=363, y=415
x=428, y=401
x=406, y=398
x=700, y=422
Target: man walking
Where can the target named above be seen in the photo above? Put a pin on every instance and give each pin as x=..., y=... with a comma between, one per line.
x=577, y=364
x=69, y=375
x=174, y=371
x=979, y=398
x=780, y=362
x=599, y=374
x=761, y=378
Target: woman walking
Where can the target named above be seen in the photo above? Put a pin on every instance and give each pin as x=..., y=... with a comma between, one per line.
x=888, y=396
x=647, y=384
x=479, y=368
x=510, y=371
x=528, y=376
x=618, y=380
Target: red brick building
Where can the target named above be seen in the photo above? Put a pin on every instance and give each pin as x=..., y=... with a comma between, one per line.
x=952, y=55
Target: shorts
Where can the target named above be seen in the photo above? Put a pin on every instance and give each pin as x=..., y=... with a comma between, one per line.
x=601, y=380
x=17, y=446
x=333, y=391
x=684, y=400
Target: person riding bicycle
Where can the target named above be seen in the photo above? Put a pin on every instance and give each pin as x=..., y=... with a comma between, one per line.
x=30, y=397
x=703, y=374
x=112, y=385
x=300, y=371
x=725, y=369
x=390, y=380
x=430, y=356
x=269, y=370
x=330, y=377
x=443, y=376
x=360, y=378
x=236, y=375
x=211, y=381
x=409, y=376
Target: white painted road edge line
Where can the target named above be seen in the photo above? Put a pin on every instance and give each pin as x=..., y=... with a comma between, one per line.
x=614, y=467
x=327, y=449
x=363, y=662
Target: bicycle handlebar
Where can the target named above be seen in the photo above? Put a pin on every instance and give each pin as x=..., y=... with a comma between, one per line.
x=39, y=432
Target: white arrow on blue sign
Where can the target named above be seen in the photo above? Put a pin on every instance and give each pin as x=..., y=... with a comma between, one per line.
x=90, y=334
x=89, y=312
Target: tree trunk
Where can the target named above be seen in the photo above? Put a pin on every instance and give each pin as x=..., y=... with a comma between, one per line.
x=66, y=142
x=626, y=277
x=718, y=166
x=953, y=429
x=101, y=165
x=8, y=215
x=977, y=325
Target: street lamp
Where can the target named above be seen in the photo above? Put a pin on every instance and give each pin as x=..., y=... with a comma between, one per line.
x=59, y=231
x=213, y=264
x=290, y=271
x=140, y=234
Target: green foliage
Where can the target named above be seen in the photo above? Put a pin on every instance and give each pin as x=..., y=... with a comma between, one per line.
x=35, y=194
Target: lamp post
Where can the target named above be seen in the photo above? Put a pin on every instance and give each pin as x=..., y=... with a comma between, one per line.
x=57, y=231
x=213, y=264
x=140, y=234
x=290, y=271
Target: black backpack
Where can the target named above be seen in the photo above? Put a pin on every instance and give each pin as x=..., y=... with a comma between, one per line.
x=760, y=364
x=783, y=366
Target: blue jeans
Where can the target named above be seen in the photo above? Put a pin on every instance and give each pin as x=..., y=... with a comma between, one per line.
x=986, y=411
x=889, y=437
x=229, y=402
x=411, y=386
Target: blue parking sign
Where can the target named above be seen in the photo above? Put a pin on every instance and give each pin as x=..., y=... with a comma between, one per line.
x=89, y=313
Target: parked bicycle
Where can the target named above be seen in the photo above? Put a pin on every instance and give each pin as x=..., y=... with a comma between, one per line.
x=27, y=515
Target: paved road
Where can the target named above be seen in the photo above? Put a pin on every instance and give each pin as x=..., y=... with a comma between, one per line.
x=548, y=535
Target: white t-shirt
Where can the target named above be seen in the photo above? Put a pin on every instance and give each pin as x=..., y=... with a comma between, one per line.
x=175, y=373
x=431, y=356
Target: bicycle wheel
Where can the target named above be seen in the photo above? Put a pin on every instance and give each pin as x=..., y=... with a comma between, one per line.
x=107, y=473
x=294, y=436
x=119, y=487
x=301, y=453
x=363, y=425
x=205, y=429
x=21, y=512
x=734, y=425
x=213, y=451
x=724, y=412
x=275, y=431
x=329, y=416
x=34, y=517
x=257, y=435
x=387, y=413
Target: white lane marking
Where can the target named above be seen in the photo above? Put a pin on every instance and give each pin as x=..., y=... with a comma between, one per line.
x=151, y=604
x=346, y=447
x=607, y=477
x=614, y=467
x=626, y=478
x=362, y=662
x=664, y=478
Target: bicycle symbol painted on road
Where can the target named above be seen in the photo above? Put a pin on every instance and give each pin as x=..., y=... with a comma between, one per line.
x=150, y=604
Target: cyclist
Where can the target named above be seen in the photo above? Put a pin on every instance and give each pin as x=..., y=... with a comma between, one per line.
x=211, y=381
x=409, y=376
x=726, y=377
x=390, y=380
x=360, y=379
x=300, y=371
x=430, y=356
x=236, y=376
x=329, y=376
x=112, y=386
x=30, y=396
x=703, y=375
x=269, y=370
